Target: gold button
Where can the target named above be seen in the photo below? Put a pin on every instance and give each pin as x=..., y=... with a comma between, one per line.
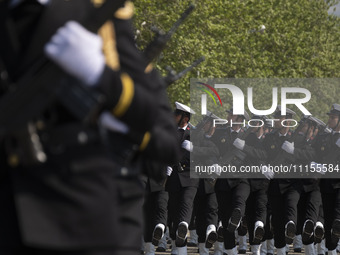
x=13, y=160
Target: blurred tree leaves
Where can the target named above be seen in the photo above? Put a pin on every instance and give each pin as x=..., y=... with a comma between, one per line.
x=300, y=40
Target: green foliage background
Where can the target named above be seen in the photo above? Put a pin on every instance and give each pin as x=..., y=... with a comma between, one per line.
x=301, y=40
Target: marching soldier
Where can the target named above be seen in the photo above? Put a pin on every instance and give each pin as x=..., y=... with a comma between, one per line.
x=60, y=188
x=205, y=153
x=182, y=189
x=256, y=207
x=310, y=199
x=326, y=150
x=155, y=212
x=231, y=193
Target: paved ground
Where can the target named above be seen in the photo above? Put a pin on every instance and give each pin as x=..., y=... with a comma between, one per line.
x=194, y=251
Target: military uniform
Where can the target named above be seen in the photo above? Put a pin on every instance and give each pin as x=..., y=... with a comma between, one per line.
x=256, y=207
x=310, y=199
x=75, y=201
x=330, y=188
x=182, y=189
x=155, y=209
x=205, y=153
x=231, y=193
x=326, y=151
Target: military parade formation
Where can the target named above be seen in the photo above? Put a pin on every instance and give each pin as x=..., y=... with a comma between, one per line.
x=275, y=211
x=94, y=161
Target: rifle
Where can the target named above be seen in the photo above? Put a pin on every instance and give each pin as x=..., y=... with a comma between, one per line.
x=46, y=82
x=156, y=46
x=173, y=76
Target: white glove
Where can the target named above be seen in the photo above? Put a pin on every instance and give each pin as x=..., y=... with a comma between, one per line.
x=338, y=143
x=187, y=145
x=215, y=169
x=268, y=173
x=168, y=171
x=239, y=144
x=108, y=121
x=78, y=52
x=288, y=147
x=319, y=168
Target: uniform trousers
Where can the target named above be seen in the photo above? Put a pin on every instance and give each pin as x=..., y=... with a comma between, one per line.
x=331, y=210
x=256, y=210
x=308, y=209
x=180, y=207
x=206, y=213
x=284, y=209
x=155, y=211
x=268, y=232
x=227, y=202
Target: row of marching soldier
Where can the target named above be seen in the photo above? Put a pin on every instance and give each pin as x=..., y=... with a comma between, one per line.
x=220, y=206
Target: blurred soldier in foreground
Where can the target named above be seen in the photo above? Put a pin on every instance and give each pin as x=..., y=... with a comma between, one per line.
x=62, y=190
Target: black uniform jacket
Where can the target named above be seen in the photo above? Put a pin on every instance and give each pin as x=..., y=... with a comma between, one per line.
x=180, y=176
x=69, y=202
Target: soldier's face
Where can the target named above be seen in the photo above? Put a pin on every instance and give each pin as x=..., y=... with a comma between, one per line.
x=277, y=124
x=333, y=121
x=305, y=128
x=257, y=128
x=310, y=132
x=260, y=131
x=183, y=122
x=207, y=126
x=237, y=118
x=177, y=118
x=230, y=116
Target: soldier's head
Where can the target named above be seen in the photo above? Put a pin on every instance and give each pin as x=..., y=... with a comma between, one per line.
x=237, y=117
x=310, y=125
x=278, y=115
x=334, y=117
x=182, y=114
x=209, y=122
x=308, y=129
x=230, y=114
x=261, y=126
